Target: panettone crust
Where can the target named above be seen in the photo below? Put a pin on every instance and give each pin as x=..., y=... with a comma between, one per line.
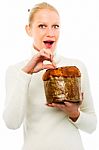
x=68, y=71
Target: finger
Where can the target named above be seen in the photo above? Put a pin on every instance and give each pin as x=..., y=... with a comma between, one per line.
x=60, y=106
x=68, y=104
x=32, y=70
x=43, y=52
x=47, y=53
x=51, y=56
x=50, y=105
x=48, y=66
x=53, y=62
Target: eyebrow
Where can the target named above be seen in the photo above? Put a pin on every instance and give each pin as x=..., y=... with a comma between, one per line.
x=47, y=23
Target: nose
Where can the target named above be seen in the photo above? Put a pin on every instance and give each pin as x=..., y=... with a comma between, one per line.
x=50, y=32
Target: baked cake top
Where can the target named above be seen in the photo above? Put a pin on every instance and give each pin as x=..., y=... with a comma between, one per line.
x=66, y=71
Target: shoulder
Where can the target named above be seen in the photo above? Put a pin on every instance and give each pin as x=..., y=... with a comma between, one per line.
x=15, y=72
x=18, y=65
x=16, y=68
x=72, y=62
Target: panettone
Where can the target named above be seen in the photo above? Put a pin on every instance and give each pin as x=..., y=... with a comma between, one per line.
x=62, y=84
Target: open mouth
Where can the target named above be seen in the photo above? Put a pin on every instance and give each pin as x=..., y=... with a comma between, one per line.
x=48, y=43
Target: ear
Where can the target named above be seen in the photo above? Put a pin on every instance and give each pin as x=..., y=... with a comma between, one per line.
x=28, y=30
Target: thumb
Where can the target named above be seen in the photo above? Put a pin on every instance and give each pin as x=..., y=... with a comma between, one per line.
x=67, y=104
x=48, y=66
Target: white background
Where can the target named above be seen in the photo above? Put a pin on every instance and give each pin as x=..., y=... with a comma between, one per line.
x=79, y=39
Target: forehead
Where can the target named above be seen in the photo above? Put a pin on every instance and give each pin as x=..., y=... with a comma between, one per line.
x=46, y=15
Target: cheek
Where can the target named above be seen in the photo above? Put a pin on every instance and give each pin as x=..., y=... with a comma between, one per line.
x=36, y=37
x=40, y=34
x=57, y=35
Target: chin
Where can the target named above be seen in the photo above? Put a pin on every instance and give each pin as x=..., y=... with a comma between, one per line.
x=52, y=50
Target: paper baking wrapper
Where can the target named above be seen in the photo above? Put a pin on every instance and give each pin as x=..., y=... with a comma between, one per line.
x=60, y=89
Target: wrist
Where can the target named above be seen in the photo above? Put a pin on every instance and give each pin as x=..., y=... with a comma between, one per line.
x=27, y=70
x=75, y=116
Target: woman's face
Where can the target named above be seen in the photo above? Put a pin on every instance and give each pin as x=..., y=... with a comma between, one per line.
x=45, y=29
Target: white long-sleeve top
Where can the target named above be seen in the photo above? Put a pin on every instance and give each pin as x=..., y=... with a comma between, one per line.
x=45, y=128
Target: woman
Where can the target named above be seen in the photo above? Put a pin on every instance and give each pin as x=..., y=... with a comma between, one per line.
x=51, y=126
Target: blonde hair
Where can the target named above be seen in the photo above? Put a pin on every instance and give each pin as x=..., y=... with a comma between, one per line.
x=39, y=7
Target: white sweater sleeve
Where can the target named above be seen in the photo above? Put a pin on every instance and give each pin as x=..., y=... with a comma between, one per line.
x=87, y=120
x=17, y=83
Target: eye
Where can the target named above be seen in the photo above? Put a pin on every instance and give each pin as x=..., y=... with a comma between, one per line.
x=42, y=26
x=55, y=26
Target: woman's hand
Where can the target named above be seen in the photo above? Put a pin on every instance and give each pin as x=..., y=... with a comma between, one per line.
x=71, y=109
x=36, y=64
